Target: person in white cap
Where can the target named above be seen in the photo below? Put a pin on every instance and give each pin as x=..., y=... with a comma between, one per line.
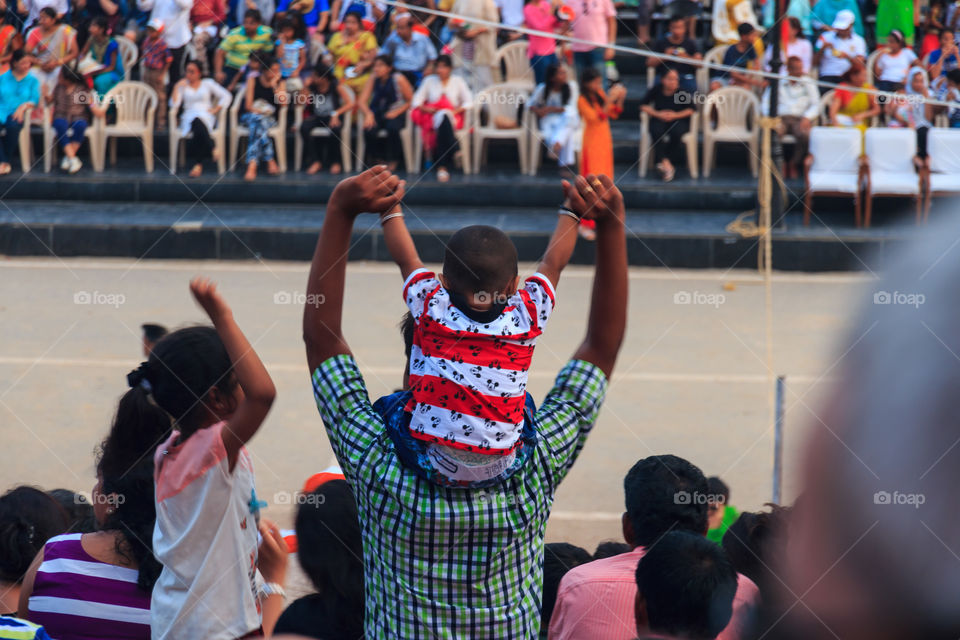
x=836, y=48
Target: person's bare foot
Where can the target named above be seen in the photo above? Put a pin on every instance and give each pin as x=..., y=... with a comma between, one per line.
x=251, y=173
x=314, y=168
x=443, y=175
x=335, y=168
x=5, y=168
x=272, y=168
x=196, y=171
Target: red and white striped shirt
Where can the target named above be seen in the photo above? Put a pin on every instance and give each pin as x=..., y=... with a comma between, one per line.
x=469, y=378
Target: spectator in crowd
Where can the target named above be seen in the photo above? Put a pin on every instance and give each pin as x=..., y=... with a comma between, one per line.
x=28, y=518
x=838, y=48
x=799, y=9
x=73, y=106
x=328, y=102
x=265, y=95
x=952, y=94
x=511, y=15
x=330, y=551
x=207, y=18
x=663, y=493
x=315, y=15
x=677, y=42
x=796, y=46
x=8, y=33
x=756, y=544
x=483, y=564
x=30, y=9
x=826, y=13
x=542, y=51
x=742, y=55
x=670, y=109
x=595, y=21
x=685, y=588
x=19, y=94
x=891, y=66
x=155, y=60
x=558, y=559
x=720, y=513
x=265, y=8
x=215, y=389
x=910, y=109
x=798, y=105
x=79, y=511
x=52, y=45
x=439, y=106
x=596, y=109
x=104, y=50
x=610, y=548
x=243, y=41
x=554, y=103
x=412, y=52
x=98, y=585
x=203, y=101
x=475, y=47
x=897, y=15
x=642, y=7
x=291, y=51
x=84, y=12
x=943, y=60
x=174, y=15
x=384, y=103
x=851, y=108
x=353, y=49
x=152, y=334
x=370, y=12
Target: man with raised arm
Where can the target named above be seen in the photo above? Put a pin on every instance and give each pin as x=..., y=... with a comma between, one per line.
x=457, y=562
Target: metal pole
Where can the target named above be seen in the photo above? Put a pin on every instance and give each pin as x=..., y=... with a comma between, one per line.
x=778, y=443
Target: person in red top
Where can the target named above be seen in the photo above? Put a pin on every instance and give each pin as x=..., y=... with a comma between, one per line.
x=596, y=601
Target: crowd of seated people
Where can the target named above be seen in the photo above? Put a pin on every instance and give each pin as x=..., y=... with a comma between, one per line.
x=233, y=41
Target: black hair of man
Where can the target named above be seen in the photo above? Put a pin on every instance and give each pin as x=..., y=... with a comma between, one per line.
x=664, y=493
x=558, y=558
x=717, y=487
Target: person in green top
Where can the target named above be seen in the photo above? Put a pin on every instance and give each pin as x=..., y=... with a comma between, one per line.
x=234, y=52
x=720, y=513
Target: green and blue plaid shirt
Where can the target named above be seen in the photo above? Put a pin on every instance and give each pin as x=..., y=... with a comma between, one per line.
x=453, y=563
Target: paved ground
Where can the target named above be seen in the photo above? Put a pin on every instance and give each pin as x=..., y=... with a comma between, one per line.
x=691, y=380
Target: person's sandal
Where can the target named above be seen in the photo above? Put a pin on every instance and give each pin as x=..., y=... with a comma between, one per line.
x=196, y=171
x=443, y=175
x=669, y=174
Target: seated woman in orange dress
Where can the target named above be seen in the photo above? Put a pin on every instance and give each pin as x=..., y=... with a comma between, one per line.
x=596, y=109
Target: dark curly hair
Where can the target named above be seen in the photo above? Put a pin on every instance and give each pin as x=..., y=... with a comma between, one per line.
x=125, y=468
x=28, y=518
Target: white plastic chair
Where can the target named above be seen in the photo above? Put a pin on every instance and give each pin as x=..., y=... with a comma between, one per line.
x=135, y=105
x=943, y=149
x=714, y=56
x=128, y=54
x=890, y=166
x=346, y=154
x=51, y=144
x=737, y=120
x=219, y=136
x=871, y=60
x=535, y=144
x=278, y=132
x=833, y=167
x=513, y=57
x=504, y=100
x=689, y=140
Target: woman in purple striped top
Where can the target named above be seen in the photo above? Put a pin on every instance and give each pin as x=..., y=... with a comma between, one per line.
x=96, y=586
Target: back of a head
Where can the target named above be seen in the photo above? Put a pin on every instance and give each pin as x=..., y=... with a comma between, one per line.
x=558, y=558
x=28, y=518
x=478, y=259
x=718, y=490
x=687, y=585
x=183, y=367
x=756, y=544
x=330, y=550
x=610, y=548
x=78, y=508
x=665, y=493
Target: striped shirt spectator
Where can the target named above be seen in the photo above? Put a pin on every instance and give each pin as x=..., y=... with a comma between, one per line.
x=77, y=597
x=16, y=629
x=239, y=44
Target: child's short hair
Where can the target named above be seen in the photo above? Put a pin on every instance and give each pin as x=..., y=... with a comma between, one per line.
x=479, y=258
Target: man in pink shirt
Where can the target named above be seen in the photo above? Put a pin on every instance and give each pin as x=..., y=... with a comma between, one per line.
x=596, y=600
x=596, y=21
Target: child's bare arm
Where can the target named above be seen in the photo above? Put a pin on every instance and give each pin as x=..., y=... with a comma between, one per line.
x=560, y=248
x=399, y=243
x=252, y=376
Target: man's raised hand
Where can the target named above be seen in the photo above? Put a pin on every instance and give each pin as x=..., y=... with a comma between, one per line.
x=376, y=190
x=594, y=197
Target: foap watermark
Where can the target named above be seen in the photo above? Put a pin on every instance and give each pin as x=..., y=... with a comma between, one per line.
x=695, y=497
x=899, y=298
x=499, y=97
x=298, y=298
x=699, y=298
x=684, y=99
x=496, y=497
x=298, y=498
x=899, y=499
x=99, y=298
x=108, y=499
x=486, y=297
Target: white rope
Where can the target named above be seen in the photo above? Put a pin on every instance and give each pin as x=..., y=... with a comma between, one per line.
x=649, y=54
